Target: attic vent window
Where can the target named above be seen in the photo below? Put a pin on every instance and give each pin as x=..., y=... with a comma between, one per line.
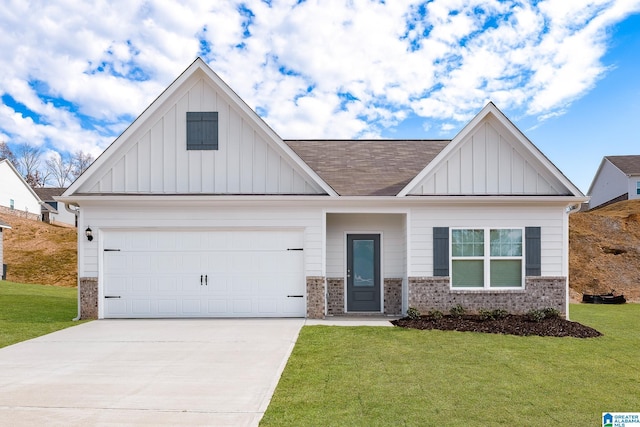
x=202, y=130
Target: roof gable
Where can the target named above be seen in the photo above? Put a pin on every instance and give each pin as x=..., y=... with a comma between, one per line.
x=151, y=156
x=629, y=165
x=367, y=168
x=490, y=156
x=8, y=166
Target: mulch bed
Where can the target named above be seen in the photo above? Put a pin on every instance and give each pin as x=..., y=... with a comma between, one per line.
x=511, y=325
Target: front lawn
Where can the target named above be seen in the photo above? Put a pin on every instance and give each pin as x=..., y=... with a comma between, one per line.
x=28, y=311
x=390, y=376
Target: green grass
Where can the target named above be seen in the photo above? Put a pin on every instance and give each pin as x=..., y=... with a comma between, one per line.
x=28, y=311
x=366, y=376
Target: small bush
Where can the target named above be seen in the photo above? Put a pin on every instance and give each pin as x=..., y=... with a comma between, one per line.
x=551, y=313
x=435, y=314
x=535, y=315
x=457, y=311
x=500, y=313
x=413, y=313
x=485, y=314
x=492, y=314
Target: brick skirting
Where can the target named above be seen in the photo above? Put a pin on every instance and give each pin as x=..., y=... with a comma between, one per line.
x=429, y=293
x=335, y=296
x=315, y=297
x=392, y=296
x=88, y=290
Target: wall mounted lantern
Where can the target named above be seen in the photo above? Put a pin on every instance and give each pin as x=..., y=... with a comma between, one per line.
x=89, y=234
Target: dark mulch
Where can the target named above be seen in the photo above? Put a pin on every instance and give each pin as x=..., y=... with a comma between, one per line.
x=510, y=325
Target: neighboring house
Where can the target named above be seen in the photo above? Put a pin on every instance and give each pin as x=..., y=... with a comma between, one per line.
x=199, y=209
x=51, y=212
x=617, y=179
x=3, y=272
x=16, y=196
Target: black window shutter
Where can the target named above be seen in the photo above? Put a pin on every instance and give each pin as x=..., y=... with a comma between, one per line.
x=440, y=251
x=202, y=130
x=533, y=249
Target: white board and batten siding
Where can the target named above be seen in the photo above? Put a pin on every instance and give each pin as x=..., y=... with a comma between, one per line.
x=154, y=159
x=488, y=161
x=551, y=219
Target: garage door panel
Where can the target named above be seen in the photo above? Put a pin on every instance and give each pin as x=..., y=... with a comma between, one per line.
x=168, y=307
x=244, y=273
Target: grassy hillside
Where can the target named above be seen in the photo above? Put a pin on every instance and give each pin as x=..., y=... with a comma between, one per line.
x=605, y=250
x=36, y=252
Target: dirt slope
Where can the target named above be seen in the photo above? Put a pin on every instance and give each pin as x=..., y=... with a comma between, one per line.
x=604, y=247
x=37, y=252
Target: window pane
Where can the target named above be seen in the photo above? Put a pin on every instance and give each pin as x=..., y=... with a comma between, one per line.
x=506, y=242
x=467, y=243
x=506, y=273
x=467, y=273
x=363, y=263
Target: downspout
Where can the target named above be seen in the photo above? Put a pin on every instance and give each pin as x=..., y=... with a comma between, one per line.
x=76, y=212
x=568, y=210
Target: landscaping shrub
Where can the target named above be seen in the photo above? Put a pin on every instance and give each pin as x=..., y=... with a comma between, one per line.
x=413, y=313
x=498, y=313
x=435, y=314
x=457, y=311
x=535, y=315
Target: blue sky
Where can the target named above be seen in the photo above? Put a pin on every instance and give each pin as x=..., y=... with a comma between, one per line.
x=565, y=72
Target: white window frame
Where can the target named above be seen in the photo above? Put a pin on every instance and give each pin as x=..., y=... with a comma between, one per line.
x=487, y=258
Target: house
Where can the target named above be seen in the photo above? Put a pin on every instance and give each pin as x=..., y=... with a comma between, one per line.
x=617, y=179
x=16, y=196
x=50, y=213
x=199, y=209
x=3, y=226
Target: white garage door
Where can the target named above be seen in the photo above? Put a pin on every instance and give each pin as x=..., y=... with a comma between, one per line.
x=203, y=274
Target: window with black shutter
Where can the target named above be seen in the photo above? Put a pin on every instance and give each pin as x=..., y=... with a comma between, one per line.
x=202, y=130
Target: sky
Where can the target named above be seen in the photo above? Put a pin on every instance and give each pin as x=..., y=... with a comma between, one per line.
x=566, y=72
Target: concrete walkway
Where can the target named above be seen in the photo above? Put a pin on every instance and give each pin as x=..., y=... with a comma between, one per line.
x=155, y=372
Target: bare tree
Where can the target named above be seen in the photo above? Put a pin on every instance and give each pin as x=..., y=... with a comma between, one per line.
x=6, y=153
x=81, y=161
x=60, y=169
x=37, y=179
x=28, y=160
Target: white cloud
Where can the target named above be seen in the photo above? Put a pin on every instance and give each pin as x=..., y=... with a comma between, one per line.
x=441, y=60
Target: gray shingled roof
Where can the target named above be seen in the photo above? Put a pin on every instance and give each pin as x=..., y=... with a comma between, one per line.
x=630, y=165
x=367, y=167
x=46, y=194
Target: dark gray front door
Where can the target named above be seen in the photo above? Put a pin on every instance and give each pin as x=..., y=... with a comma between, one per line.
x=363, y=272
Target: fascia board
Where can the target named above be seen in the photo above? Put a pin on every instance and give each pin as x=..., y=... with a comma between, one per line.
x=321, y=199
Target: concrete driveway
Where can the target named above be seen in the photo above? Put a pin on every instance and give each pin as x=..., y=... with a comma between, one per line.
x=155, y=372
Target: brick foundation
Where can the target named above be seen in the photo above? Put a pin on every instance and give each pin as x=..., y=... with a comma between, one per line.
x=392, y=296
x=335, y=296
x=429, y=293
x=88, y=290
x=315, y=297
